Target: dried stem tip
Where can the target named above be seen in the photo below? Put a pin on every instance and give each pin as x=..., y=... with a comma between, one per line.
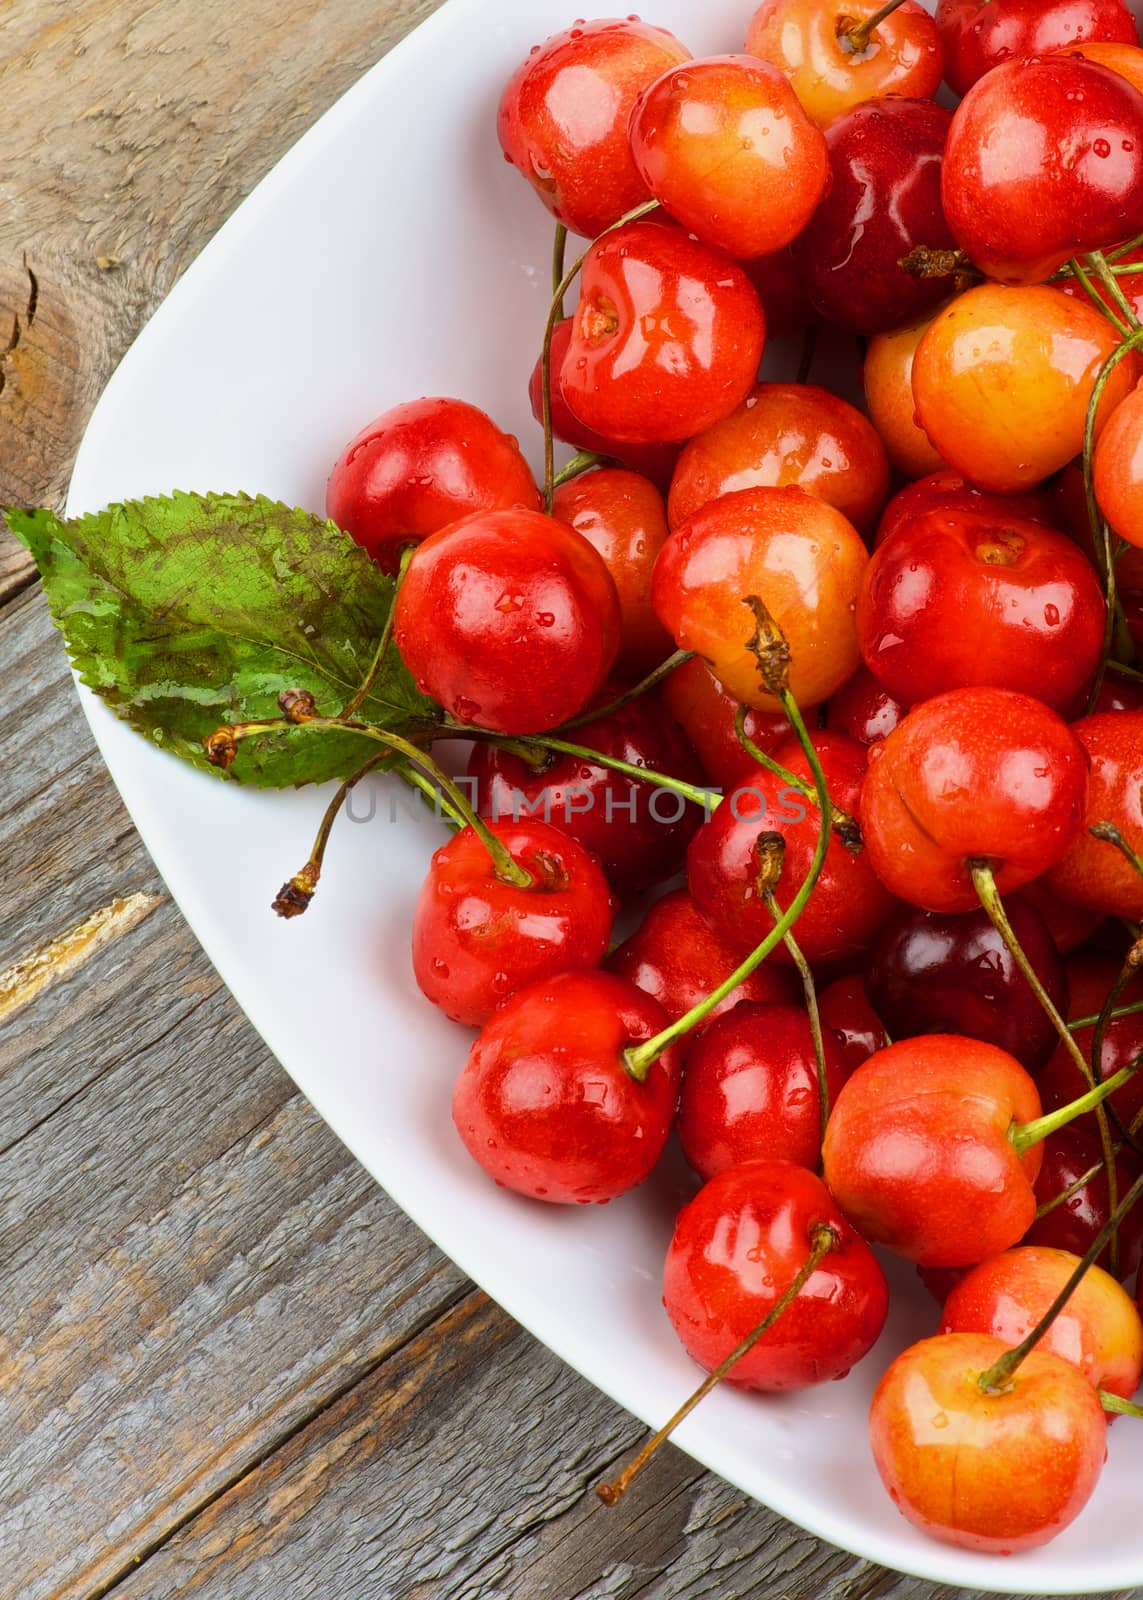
x=297, y=705
x=769, y=648
x=294, y=897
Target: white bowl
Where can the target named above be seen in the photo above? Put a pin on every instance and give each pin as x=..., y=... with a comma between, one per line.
x=392, y=254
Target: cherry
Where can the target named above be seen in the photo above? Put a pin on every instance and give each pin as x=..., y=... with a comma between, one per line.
x=564, y=113
x=478, y=939
x=1002, y=1470
x=1126, y=58
x=844, y=1008
x=975, y=774
x=1068, y=925
x=666, y=339
x=1072, y=180
x=935, y=972
x=678, y=958
x=724, y=145
x=979, y=34
x=950, y=491
x=810, y=43
x=706, y=712
x=1072, y=1154
x=1098, y=1330
x=737, y=1245
x=545, y=1103
x=1118, y=469
x=623, y=516
x=639, y=832
x=1130, y=284
x=885, y=156
x=959, y=598
x=887, y=377
x=1090, y=978
x=800, y=556
x=420, y=467
x=848, y=904
x=750, y=1089
x=1093, y=873
x=781, y=286
x=863, y=709
x=786, y=434
x=509, y=619
x=653, y=461
x=1003, y=378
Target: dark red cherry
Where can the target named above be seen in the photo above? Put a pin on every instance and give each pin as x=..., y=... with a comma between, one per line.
x=844, y=1008
x=1069, y=1154
x=863, y=709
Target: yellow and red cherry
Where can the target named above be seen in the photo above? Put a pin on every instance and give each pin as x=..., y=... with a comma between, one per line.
x=545, y=1102
x=1003, y=379
x=887, y=377
x=420, y=467
x=678, y=958
x=972, y=775
x=724, y=146
x=623, y=516
x=666, y=338
x=979, y=34
x=738, y=1245
x=750, y=1089
x=509, y=620
x=1098, y=1330
x=564, y=113
x=786, y=435
x=803, y=559
x=477, y=939
x=885, y=202
x=957, y=598
x=813, y=45
x=1118, y=469
x=1071, y=176
x=707, y=714
x=1004, y=1470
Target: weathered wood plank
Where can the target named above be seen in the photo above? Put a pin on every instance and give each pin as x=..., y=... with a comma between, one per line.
x=132, y=128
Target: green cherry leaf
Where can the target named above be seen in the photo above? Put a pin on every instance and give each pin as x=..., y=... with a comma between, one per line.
x=192, y=611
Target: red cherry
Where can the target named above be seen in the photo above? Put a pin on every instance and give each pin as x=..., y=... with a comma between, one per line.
x=863, y=709
x=639, y=831
x=885, y=157
x=949, y=491
x=1003, y=1471
x=509, y=619
x=979, y=34
x=1072, y=176
x=750, y=1089
x=918, y=1152
x=706, y=712
x=976, y=774
x=738, y=1245
x=544, y=1102
x=844, y=1008
x=666, y=339
x=1069, y=1154
x=678, y=958
x=724, y=146
x=848, y=904
x=477, y=939
x=960, y=598
x=654, y=461
x=1093, y=873
x=1098, y=1330
x=420, y=467
x=1069, y=926
x=564, y=114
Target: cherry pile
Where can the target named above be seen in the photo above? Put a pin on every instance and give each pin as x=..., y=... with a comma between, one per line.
x=868, y=681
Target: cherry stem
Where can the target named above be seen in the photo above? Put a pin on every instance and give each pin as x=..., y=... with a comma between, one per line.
x=855, y=38
x=222, y=744
x=559, y=256
x=809, y=351
x=847, y=827
x=555, y=314
x=926, y=262
x=296, y=893
x=383, y=642
x=644, y=686
x=773, y=658
x=1097, y=300
x=1000, y=1373
x=1108, y=833
x=1073, y=1188
x=1023, y=1135
x=1131, y=1010
x=823, y=1239
x=811, y=996
x=1116, y=1403
x=1098, y=263
x=1123, y=671
x=576, y=467
x=1122, y=250
x=442, y=807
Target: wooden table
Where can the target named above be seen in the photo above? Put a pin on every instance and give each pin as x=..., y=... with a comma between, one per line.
x=229, y=1368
